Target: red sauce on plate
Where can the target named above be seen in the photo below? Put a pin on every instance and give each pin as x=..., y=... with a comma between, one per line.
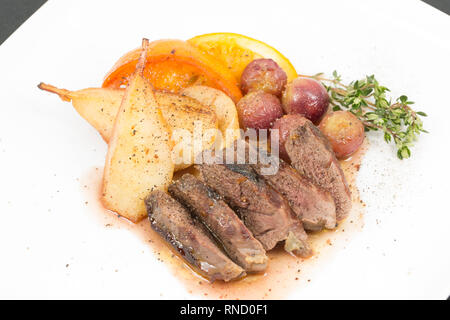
x=285, y=272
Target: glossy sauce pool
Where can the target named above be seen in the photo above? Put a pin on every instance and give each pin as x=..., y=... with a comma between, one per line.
x=284, y=273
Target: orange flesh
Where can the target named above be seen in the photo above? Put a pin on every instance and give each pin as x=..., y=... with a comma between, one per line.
x=173, y=65
x=236, y=51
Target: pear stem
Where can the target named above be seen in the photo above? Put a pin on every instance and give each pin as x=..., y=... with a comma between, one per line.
x=64, y=94
x=142, y=58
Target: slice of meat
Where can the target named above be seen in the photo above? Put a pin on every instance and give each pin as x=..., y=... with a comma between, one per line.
x=313, y=205
x=311, y=155
x=218, y=217
x=264, y=211
x=172, y=221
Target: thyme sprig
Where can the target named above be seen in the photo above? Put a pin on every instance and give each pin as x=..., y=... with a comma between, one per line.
x=368, y=100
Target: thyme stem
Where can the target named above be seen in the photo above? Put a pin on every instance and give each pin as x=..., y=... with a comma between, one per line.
x=367, y=100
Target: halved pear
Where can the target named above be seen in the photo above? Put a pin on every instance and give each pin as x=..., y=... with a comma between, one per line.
x=99, y=107
x=139, y=156
x=223, y=107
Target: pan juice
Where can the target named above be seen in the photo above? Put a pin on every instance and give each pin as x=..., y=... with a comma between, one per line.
x=285, y=275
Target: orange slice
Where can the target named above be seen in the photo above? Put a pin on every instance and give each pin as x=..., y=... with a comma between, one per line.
x=236, y=51
x=173, y=65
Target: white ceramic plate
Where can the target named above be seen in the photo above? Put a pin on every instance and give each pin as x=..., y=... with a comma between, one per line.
x=55, y=245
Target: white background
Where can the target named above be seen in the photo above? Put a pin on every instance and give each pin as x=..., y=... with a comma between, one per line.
x=45, y=147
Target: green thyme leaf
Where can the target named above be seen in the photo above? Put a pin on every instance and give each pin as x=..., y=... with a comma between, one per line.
x=367, y=100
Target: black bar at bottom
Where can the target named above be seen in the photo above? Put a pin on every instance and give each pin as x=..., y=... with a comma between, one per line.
x=220, y=309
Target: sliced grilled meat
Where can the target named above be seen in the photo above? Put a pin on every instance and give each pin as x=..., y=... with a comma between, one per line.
x=313, y=205
x=170, y=219
x=264, y=211
x=312, y=156
x=218, y=217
